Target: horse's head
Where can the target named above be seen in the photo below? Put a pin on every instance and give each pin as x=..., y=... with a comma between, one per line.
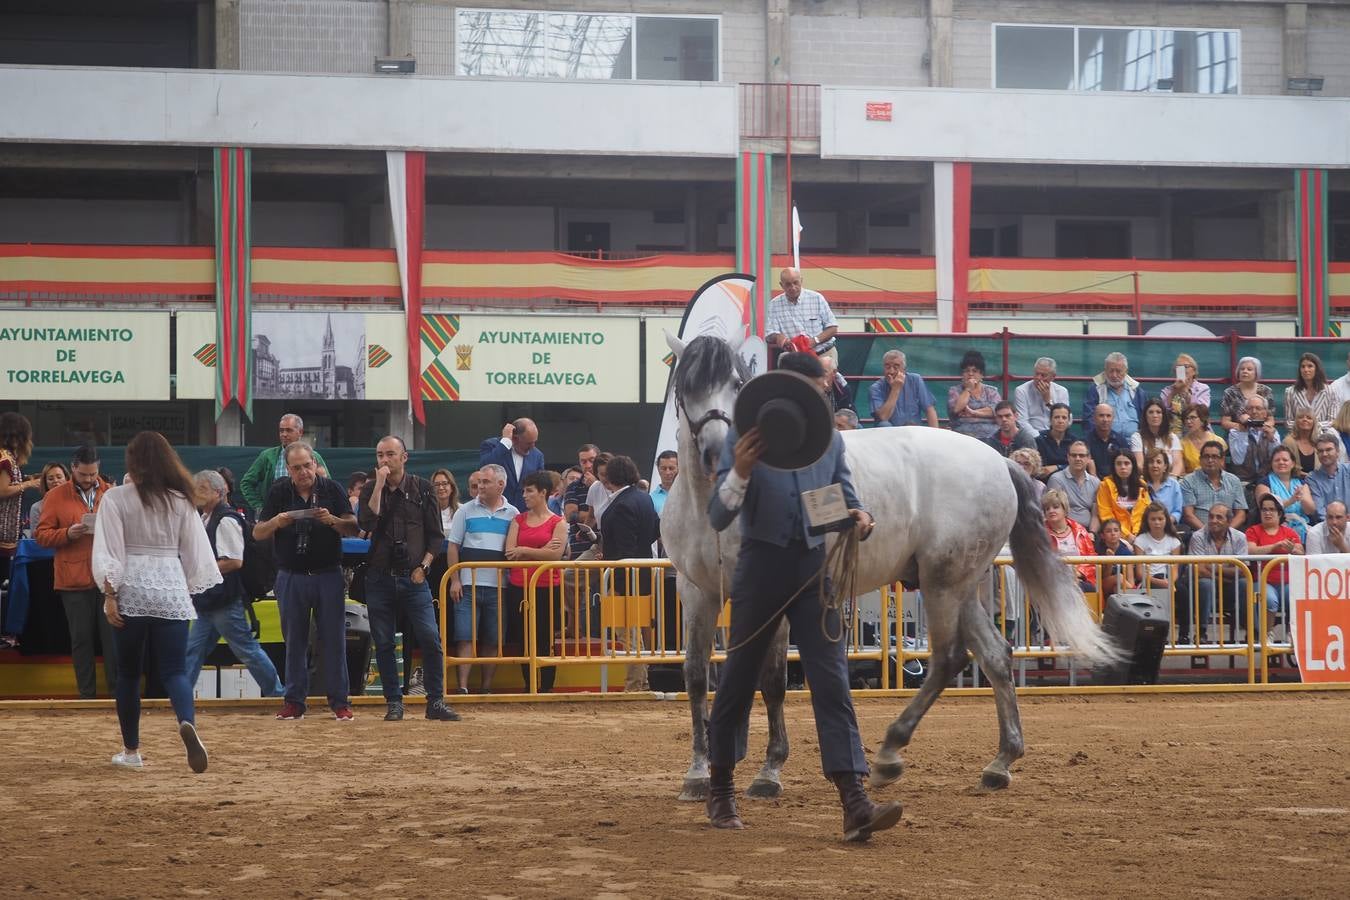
x=708, y=374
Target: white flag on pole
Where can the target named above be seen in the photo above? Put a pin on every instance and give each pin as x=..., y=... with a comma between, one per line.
x=796, y=240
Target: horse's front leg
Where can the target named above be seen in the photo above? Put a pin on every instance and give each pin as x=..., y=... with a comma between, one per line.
x=773, y=685
x=700, y=621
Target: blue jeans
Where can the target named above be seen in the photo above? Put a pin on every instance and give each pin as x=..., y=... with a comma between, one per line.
x=168, y=639
x=299, y=595
x=231, y=622
x=384, y=594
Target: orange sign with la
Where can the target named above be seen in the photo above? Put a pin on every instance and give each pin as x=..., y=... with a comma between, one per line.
x=1319, y=615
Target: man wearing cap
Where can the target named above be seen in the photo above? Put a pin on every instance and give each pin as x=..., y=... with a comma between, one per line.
x=761, y=479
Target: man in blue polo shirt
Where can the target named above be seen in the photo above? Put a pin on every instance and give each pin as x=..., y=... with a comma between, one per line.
x=900, y=397
x=478, y=534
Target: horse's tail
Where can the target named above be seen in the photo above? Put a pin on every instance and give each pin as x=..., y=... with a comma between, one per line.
x=1052, y=586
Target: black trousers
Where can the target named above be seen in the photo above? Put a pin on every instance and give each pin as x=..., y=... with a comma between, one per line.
x=766, y=576
x=543, y=631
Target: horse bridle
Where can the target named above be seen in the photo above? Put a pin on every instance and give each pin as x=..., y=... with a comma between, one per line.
x=712, y=415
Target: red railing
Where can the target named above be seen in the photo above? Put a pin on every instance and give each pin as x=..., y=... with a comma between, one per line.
x=780, y=111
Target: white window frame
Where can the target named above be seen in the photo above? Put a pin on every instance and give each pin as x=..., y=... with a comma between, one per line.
x=1077, y=88
x=632, y=53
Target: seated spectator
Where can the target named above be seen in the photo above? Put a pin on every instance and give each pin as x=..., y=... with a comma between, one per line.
x=1185, y=392
x=1035, y=398
x=1068, y=537
x=1341, y=386
x=1302, y=440
x=846, y=420
x=1272, y=536
x=1103, y=441
x=1233, y=406
x=1284, y=483
x=1156, y=431
x=54, y=474
x=1163, y=487
x=355, y=482
x=1114, y=387
x=1110, y=543
x=970, y=404
x=1030, y=461
x=1210, y=485
x=1122, y=495
x=1159, y=538
x=1195, y=434
x=1331, y=479
x=1340, y=424
x=1251, y=443
x=1310, y=391
x=1011, y=435
x=900, y=397
x=836, y=387
x=1328, y=535
x=1054, y=442
x=1217, y=538
x=1079, y=487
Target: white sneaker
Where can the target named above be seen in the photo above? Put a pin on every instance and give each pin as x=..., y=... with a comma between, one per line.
x=128, y=759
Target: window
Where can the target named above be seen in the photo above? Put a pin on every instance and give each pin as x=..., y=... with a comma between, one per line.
x=520, y=44
x=1065, y=57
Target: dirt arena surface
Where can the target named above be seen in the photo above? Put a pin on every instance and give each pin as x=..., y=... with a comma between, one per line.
x=1223, y=795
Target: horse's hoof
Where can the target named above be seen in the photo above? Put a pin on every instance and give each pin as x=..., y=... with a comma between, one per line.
x=995, y=779
x=887, y=769
x=764, y=789
x=695, y=790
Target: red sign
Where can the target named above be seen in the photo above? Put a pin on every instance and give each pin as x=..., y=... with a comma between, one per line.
x=878, y=112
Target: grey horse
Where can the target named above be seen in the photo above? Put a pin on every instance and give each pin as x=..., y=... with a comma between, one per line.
x=944, y=505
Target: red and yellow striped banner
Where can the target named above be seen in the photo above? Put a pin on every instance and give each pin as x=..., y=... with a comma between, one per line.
x=889, y=326
x=1218, y=284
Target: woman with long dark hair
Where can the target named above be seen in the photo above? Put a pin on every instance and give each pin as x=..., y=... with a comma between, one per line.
x=1122, y=495
x=1156, y=432
x=16, y=445
x=1310, y=390
x=151, y=554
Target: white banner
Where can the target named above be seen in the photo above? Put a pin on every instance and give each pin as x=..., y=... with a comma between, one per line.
x=75, y=354
x=1319, y=615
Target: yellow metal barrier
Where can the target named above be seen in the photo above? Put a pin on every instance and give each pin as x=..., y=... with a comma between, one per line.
x=606, y=613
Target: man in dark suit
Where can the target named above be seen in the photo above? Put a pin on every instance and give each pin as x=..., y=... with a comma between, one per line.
x=514, y=451
x=780, y=558
x=628, y=528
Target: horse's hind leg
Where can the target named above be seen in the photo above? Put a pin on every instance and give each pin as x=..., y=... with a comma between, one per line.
x=700, y=621
x=995, y=658
x=773, y=685
x=948, y=658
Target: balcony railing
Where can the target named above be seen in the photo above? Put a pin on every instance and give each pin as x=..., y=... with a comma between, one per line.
x=780, y=111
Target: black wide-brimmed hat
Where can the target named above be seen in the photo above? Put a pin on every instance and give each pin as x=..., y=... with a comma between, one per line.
x=794, y=418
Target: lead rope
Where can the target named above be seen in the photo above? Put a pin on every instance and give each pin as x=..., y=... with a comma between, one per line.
x=840, y=569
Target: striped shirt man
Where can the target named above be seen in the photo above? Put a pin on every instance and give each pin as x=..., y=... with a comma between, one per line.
x=480, y=534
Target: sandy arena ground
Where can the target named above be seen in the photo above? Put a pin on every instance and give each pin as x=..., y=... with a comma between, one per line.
x=1224, y=795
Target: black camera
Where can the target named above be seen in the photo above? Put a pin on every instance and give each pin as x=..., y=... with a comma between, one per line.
x=1256, y=423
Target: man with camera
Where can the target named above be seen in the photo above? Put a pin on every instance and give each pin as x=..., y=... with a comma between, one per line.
x=404, y=523
x=307, y=516
x=1251, y=443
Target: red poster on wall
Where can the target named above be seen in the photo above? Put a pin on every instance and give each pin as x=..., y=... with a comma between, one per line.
x=878, y=111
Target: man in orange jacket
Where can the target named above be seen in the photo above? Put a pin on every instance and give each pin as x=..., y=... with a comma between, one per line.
x=63, y=528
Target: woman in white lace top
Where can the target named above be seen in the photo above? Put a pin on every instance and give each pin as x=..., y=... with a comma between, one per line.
x=151, y=555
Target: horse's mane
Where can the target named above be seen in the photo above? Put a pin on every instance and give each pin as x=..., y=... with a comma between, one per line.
x=707, y=362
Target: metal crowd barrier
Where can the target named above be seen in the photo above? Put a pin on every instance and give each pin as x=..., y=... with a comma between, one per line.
x=606, y=613
x=610, y=613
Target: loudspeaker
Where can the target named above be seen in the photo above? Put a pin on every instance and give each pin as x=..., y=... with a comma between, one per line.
x=1140, y=625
